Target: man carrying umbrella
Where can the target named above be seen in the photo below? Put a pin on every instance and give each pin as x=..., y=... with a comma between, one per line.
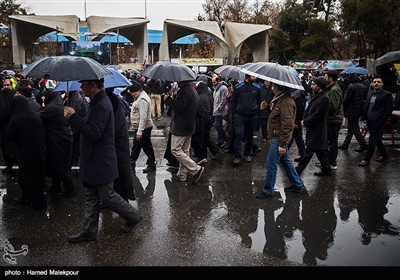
x=282, y=111
x=183, y=126
x=98, y=162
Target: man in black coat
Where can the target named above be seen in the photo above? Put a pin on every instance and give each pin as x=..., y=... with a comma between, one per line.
x=379, y=109
x=315, y=124
x=183, y=126
x=352, y=105
x=98, y=162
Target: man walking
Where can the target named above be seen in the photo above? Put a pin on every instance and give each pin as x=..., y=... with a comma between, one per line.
x=246, y=99
x=142, y=123
x=98, y=162
x=352, y=105
x=219, y=109
x=335, y=115
x=154, y=87
x=379, y=109
x=280, y=126
x=314, y=122
x=183, y=126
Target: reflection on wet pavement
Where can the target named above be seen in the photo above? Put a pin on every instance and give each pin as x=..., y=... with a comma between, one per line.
x=349, y=219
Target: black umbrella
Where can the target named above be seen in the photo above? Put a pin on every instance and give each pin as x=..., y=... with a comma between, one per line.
x=66, y=68
x=386, y=58
x=169, y=72
x=230, y=71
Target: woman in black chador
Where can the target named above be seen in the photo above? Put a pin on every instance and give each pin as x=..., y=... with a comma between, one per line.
x=26, y=131
x=7, y=147
x=58, y=140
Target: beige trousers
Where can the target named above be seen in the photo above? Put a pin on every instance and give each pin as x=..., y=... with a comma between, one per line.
x=180, y=148
x=155, y=105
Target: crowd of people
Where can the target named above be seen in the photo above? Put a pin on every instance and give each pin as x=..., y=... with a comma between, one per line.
x=44, y=131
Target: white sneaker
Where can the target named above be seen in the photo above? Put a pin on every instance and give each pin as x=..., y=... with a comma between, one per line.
x=333, y=167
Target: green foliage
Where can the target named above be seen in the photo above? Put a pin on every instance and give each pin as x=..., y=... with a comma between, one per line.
x=9, y=8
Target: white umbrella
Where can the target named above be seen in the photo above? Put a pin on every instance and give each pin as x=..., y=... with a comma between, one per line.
x=273, y=72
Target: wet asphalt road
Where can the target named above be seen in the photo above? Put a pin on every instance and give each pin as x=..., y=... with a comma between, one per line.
x=351, y=219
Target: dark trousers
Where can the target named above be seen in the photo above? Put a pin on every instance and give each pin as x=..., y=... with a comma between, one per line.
x=333, y=137
x=375, y=140
x=297, y=136
x=144, y=144
x=353, y=128
x=322, y=156
x=168, y=153
x=263, y=123
x=106, y=194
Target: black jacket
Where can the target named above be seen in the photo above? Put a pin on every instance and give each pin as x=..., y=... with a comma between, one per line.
x=355, y=93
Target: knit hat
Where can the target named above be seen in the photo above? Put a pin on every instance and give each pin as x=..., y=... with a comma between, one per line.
x=321, y=82
x=25, y=91
x=134, y=87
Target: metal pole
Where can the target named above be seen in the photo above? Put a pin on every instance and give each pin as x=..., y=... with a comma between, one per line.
x=145, y=9
x=117, y=45
x=85, y=8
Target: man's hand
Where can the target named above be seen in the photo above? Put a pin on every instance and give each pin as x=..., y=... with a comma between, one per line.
x=138, y=137
x=68, y=111
x=281, y=150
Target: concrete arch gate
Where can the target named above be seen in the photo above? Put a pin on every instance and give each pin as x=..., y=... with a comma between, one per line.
x=27, y=28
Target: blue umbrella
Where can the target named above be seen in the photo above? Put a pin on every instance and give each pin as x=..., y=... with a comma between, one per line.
x=114, y=80
x=67, y=86
x=356, y=70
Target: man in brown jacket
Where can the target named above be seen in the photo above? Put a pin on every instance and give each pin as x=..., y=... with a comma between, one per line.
x=280, y=127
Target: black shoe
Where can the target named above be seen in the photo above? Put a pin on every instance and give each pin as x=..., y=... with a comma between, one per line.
x=67, y=193
x=363, y=163
x=298, y=159
x=22, y=201
x=82, y=236
x=197, y=176
x=262, y=195
x=343, y=147
x=221, y=144
x=256, y=150
x=236, y=162
x=220, y=153
x=103, y=206
x=128, y=227
x=361, y=149
x=323, y=173
x=380, y=159
x=149, y=168
x=294, y=189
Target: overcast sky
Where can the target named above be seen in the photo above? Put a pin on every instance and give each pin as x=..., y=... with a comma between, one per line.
x=154, y=10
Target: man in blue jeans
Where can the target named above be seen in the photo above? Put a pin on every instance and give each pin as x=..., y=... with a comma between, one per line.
x=280, y=127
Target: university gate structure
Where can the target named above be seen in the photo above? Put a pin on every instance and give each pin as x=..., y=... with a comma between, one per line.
x=27, y=28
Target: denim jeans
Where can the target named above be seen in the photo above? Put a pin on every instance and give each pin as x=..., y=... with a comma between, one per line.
x=244, y=128
x=220, y=130
x=274, y=158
